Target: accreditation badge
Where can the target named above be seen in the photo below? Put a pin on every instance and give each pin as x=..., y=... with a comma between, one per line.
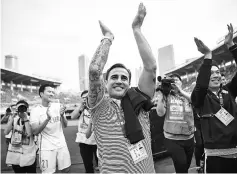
x=83, y=127
x=16, y=138
x=224, y=116
x=176, y=112
x=138, y=152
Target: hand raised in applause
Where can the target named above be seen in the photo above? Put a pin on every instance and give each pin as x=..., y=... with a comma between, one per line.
x=106, y=31
x=229, y=37
x=201, y=46
x=139, y=18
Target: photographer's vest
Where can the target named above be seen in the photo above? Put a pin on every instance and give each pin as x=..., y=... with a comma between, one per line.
x=179, y=120
x=22, y=149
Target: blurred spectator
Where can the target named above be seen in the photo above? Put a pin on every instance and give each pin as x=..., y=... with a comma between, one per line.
x=7, y=118
x=223, y=79
x=85, y=135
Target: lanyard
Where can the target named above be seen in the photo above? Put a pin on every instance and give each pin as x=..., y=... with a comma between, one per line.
x=221, y=99
x=220, y=96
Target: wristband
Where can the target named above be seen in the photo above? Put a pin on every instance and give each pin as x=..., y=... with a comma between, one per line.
x=109, y=38
x=26, y=121
x=208, y=55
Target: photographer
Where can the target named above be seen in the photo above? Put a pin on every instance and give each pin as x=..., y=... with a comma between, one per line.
x=22, y=149
x=174, y=104
x=87, y=143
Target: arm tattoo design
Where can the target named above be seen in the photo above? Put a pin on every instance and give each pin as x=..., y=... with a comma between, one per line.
x=96, y=83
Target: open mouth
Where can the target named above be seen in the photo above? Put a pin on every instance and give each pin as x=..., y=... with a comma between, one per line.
x=215, y=80
x=118, y=88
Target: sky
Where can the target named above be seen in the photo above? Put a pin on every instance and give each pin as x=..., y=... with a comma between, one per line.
x=48, y=36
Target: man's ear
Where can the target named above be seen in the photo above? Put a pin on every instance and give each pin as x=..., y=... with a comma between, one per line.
x=106, y=82
x=40, y=94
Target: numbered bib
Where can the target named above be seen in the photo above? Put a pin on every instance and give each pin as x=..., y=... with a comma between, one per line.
x=138, y=152
x=224, y=116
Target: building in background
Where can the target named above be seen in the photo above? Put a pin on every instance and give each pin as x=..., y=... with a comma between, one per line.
x=165, y=59
x=83, y=63
x=11, y=62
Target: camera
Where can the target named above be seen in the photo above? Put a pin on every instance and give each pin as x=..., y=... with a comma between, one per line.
x=166, y=85
x=22, y=108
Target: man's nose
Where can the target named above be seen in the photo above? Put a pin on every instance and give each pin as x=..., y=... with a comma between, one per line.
x=215, y=74
x=119, y=80
x=51, y=94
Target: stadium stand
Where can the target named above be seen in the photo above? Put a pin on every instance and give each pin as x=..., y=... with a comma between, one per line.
x=12, y=91
x=16, y=86
x=188, y=71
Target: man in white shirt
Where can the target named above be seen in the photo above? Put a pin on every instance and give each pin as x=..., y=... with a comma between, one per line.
x=47, y=120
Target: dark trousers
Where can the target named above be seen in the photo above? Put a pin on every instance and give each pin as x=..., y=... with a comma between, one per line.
x=26, y=169
x=199, y=147
x=87, y=151
x=215, y=164
x=181, y=152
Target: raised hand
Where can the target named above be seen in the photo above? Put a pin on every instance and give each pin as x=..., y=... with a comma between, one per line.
x=176, y=87
x=49, y=116
x=106, y=31
x=229, y=37
x=201, y=46
x=23, y=115
x=139, y=18
x=62, y=109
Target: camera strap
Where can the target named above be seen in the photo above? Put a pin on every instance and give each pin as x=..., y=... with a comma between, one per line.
x=221, y=100
x=220, y=96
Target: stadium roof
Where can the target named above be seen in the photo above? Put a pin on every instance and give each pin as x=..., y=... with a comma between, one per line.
x=219, y=53
x=8, y=75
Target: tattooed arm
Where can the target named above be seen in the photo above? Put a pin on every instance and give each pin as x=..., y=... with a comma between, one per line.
x=96, y=82
x=147, y=80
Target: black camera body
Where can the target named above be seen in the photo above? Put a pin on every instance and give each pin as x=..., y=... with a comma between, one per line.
x=22, y=108
x=166, y=85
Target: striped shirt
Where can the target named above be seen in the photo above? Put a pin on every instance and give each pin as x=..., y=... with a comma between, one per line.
x=112, y=146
